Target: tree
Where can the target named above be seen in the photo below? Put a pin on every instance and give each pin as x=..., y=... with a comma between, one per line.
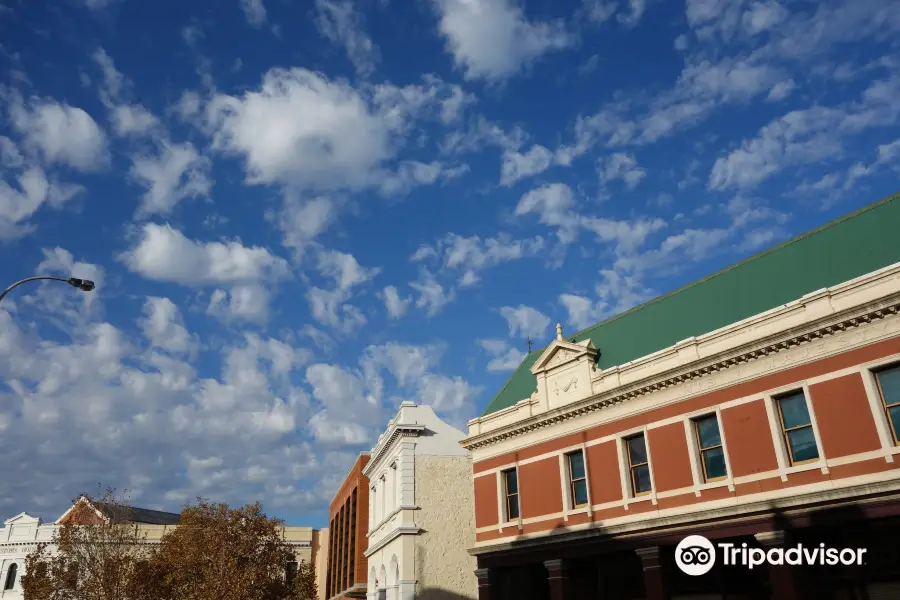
x=96, y=554
x=220, y=553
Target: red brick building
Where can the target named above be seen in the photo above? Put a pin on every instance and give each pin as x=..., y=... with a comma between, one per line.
x=348, y=523
x=758, y=406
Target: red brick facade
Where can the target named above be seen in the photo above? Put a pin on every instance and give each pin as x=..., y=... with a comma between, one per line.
x=840, y=407
x=346, y=572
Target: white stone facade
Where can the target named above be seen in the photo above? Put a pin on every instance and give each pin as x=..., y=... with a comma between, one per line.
x=421, y=511
x=19, y=537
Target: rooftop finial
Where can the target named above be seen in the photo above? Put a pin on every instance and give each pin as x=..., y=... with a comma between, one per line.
x=559, y=332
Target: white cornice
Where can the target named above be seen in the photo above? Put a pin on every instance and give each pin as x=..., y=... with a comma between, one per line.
x=833, y=323
x=395, y=431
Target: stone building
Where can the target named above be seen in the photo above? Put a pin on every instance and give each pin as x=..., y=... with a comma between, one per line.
x=758, y=407
x=345, y=572
x=21, y=535
x=420, y=510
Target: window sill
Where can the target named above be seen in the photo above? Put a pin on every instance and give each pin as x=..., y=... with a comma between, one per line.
x=648, y=497
x=712, y=485
x=810, y=466
x=509, y=525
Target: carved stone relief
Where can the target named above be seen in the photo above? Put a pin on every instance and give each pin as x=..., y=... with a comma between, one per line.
x=561, y=355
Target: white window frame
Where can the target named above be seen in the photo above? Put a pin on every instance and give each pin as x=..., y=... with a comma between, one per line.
x=876, y=405
x=775, y=426
x=628, y=496
x=565, y=482
x=690, y=432
x=501, y=497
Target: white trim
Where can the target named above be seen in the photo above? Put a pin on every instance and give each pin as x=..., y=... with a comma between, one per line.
x=735, y=506
x=864, y=368
x=624, y=471
x=690, y=432
x=815, y=427
x=625, y=467
x=785, y=467
x=501, y=484
x=501, y=501
x=564, y=484
x=729, y=474
x=876, y=404
x=650, y=466
x=587, y=479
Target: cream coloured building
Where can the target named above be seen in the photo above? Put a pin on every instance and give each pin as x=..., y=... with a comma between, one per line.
x=421, y=518
x=21, y=534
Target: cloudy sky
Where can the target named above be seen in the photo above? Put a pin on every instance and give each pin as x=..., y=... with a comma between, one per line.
x=300, y=213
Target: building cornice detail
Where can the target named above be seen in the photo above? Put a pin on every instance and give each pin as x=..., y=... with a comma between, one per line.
x=396, y=432
x=393, y=535
x=849, y=319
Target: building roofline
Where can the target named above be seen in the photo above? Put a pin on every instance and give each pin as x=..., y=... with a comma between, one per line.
x=534, y=354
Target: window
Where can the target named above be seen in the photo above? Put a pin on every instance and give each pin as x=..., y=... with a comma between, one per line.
x=511, y=485
x=577, y=479
x=290, y=572
x=11, y=577
x=638, y=465
x=889, y=389
x=709, y=441
x=796, y=428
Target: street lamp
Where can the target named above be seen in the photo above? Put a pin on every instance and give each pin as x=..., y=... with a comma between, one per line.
x=85, y=285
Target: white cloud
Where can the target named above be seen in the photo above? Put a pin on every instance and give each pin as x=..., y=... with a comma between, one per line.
x=165, y=254
x=622, y=166
x=176, y=434
x=414, y=173
x=248, y=302
x=254, y=12
x=176, y=173
x=342, y=24
x=61, y=134
x=493, y=40
x=20, y=202
x=302, y=219
x=395, y=304
x=133, y=120
x=164, y=328
x=636, y=10
x=432, y=295
x=582, y=311
x=330, y=306
x=781, y=90
x=503, y=357
x=525, y=321
x=471, y=255
x=302, y=129
x=518, y=166
x=555, y=206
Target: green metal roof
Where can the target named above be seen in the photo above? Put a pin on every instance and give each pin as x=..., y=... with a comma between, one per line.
x=856, y=244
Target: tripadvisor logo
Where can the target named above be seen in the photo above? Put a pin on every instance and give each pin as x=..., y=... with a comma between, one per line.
x=696, y=555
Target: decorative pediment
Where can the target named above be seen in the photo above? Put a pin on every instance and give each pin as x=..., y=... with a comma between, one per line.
x=562, y=351
x=23, y=519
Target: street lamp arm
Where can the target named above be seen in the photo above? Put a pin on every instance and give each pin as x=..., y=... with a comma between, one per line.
x=84, y=285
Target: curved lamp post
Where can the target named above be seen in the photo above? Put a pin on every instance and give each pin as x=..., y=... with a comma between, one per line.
x=85, y=285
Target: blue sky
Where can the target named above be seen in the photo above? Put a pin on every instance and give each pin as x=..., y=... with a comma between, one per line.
x=300, y=214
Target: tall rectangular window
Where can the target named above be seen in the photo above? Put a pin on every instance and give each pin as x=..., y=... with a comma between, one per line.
x=889, y=389
x=511, y=490
x=709, y=442
x=796, y=428
x=577, y=479
x=639, y=465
